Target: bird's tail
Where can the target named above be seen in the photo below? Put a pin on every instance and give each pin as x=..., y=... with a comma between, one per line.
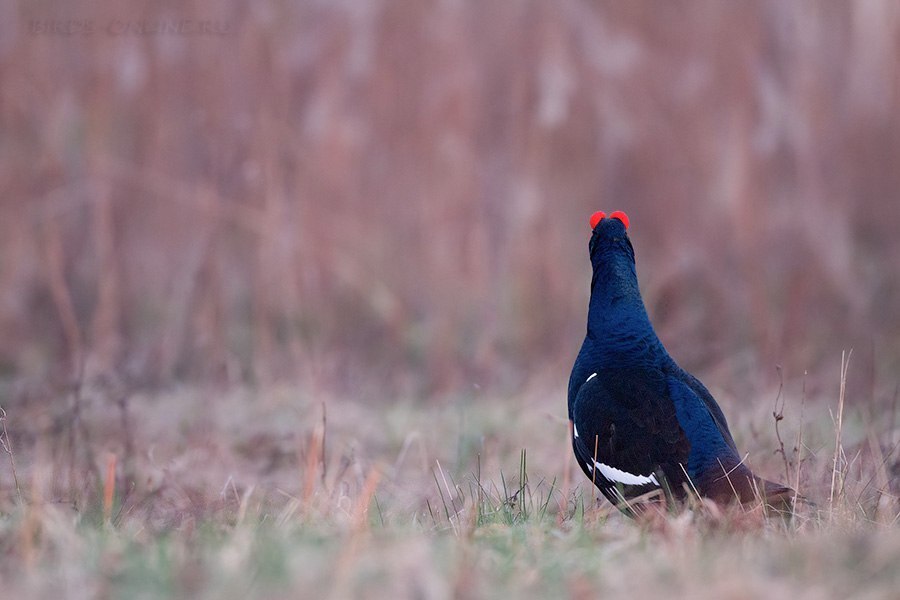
x=777, y=497
x=740, y=484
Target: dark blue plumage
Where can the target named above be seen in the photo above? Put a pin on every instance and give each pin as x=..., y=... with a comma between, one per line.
x=639, y=421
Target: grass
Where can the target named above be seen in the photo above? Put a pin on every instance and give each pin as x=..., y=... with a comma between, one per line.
x=266, y=494
x=262, y=559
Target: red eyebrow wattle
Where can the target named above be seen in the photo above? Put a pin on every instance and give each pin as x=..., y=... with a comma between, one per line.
x=620, y=216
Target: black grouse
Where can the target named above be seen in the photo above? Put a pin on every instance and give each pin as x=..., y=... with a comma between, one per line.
x=639, y=421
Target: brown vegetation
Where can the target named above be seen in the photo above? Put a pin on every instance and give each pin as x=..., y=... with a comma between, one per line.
x=401, y=190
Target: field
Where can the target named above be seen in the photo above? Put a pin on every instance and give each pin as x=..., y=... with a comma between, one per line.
x=290, y=292
x=288, y=493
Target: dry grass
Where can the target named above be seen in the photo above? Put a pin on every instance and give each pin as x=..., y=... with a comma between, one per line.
x=257, y=495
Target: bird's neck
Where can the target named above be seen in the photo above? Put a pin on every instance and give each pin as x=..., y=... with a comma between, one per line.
x=618, y=325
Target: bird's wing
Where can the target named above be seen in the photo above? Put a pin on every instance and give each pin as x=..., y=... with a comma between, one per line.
x=627, y=429
x=714, y=465
x=712, y=406
x=712, y=456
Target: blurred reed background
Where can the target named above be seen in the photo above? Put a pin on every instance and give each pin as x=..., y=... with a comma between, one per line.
x=391, y=198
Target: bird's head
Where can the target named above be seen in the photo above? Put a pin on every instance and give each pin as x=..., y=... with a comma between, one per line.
x=609, y=241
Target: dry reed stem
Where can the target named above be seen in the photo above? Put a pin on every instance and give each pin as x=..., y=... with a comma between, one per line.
x=314, y=455
x=55, y=262
x=358, y=528
x=109, y=487
x=33, y=517
x=105, y=327
x=567, y=470
x=361, y=510
x=454, y=521
x=799, y=449
x=244, y=503
x=837, y=466
x=7, y=447
x=594, y=466
x=690, y=481
x=778, y=416
x=322, y=449
x=731, y=483
x=880, y=476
